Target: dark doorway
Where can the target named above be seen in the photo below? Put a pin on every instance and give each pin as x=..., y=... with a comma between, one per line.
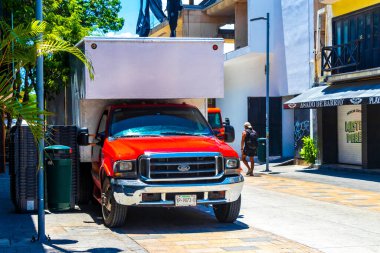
x=256, y=116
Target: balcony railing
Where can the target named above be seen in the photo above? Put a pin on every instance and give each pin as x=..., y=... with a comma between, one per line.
x=339, y=57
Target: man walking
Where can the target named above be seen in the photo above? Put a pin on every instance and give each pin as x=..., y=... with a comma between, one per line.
x=248, y=146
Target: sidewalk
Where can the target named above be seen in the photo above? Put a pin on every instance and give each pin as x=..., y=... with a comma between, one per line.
x=337, y=176
x=348, y=188
x=75, y=231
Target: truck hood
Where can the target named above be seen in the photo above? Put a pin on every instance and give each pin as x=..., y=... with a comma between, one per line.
x=131, y=148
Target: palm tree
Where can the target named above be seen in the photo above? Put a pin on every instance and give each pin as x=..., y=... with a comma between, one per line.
x=19, y=49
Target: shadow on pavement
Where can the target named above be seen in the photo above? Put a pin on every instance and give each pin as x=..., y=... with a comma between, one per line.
x=185, y=220
x=52, y=244
x=16, y=229
x=343, y=174
x=161, y=220
x=94, y=211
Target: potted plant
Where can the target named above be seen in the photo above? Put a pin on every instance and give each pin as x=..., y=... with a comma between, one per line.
x=309, y=150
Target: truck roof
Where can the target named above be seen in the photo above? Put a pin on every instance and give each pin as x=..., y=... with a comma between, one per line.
x=147, y=39
x=149, y=105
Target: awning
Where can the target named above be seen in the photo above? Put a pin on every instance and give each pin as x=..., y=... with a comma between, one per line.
x=336, y=95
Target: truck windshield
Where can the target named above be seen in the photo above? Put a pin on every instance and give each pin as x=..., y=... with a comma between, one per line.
x=129, y=122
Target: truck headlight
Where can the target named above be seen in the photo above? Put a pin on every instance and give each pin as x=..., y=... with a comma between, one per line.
x=232, y=166
x=122, y=166
x=232, y=163
x=125, y=169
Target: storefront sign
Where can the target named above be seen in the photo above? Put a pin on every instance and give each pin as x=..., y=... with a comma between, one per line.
x=324, y=103
x=374, y=100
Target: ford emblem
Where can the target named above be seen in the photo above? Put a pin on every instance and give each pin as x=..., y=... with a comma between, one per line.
x=183, y=167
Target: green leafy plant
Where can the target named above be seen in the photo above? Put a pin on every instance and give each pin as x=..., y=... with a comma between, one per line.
x=20, y=47
x=309, y=150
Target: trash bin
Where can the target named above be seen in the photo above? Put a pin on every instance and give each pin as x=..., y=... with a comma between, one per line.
x=58, y=177
x=261, y=149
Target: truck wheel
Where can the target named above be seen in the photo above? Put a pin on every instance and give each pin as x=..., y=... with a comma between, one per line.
x=114, y=214
x=227, y=213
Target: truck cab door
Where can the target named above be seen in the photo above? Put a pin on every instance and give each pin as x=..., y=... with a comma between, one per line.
x=96, y=153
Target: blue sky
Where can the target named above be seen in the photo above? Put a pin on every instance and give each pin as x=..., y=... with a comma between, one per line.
x=130, y=12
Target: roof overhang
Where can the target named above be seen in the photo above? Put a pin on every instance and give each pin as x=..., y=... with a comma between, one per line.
x=336, y=95
x=223, y=8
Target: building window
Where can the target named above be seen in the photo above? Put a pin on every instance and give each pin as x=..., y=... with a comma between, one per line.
x=362, y=26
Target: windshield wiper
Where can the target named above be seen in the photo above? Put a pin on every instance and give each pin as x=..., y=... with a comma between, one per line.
x=181, y=133
x=135, y=136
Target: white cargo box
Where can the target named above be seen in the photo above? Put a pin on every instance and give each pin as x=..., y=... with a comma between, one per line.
x=153, y=68
x=150, y=69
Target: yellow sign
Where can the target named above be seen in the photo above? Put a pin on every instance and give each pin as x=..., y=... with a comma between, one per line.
x=342, y=7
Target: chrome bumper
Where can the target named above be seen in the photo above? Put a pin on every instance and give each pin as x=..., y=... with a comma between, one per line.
x=129, y=192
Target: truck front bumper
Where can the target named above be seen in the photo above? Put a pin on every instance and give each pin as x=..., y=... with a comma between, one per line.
x=130, y=192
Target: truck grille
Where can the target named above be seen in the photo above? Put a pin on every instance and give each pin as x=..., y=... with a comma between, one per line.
x=181, y=166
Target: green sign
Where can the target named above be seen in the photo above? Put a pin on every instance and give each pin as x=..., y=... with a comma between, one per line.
x=353, y=131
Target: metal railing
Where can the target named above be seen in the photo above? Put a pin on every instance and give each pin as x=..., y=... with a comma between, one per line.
x=343, y=56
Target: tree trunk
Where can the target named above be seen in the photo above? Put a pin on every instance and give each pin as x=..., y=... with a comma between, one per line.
x=26, y=86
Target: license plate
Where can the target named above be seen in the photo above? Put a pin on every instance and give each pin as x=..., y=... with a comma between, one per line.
x=185, y=200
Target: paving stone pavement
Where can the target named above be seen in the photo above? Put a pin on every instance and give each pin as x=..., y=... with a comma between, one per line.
x=147, y=230
x=75, y=231
x=340, y=195
x=169, y=230
x=249, y=240
x=333, y=211
x=192, y=230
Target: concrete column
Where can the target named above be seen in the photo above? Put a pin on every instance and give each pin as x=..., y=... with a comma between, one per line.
x=320, y=135
x=365, y=136
x=241, y=25
x=370, y=136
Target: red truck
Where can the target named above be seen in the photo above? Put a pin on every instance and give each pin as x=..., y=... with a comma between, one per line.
x=152, y=145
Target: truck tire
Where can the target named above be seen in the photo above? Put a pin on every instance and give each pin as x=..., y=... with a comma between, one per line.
x=227, y=213
x=114, y=214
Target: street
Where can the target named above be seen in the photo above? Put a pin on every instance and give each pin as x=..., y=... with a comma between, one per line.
x=326, y=212
x=293, y=209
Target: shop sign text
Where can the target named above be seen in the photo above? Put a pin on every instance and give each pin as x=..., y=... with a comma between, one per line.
x=324, y=103
x=374, y=100
x=353, y=131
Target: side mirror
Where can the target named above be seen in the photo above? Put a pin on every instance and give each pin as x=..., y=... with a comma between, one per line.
x=229, y=133
x=83, y=137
